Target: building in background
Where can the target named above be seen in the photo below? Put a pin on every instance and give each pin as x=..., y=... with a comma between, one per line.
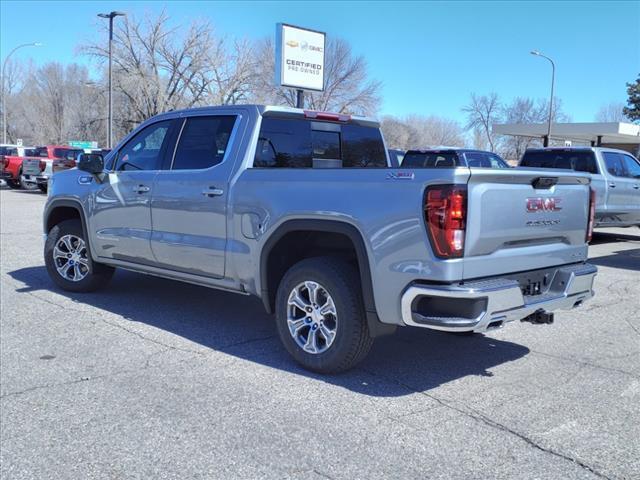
x=624, y=136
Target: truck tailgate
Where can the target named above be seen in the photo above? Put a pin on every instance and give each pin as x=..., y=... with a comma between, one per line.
x=524, y=219
x=30, y=166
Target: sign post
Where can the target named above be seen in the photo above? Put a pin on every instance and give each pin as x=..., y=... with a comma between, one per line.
x=300, y=59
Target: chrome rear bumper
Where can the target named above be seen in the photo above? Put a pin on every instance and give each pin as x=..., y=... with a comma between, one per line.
x=488, y=304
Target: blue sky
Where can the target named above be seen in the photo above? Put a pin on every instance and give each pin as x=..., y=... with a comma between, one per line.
x=429, y=55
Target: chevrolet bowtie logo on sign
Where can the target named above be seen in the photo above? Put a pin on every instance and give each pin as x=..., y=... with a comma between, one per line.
x=299, y=58
x=543, y=204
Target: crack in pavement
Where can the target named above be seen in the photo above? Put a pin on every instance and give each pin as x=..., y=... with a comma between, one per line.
x=632, y=326
x=60, y=384
x=582, y=362
x=482, y=418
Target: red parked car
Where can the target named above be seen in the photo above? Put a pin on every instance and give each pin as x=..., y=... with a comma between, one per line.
x=19, y=166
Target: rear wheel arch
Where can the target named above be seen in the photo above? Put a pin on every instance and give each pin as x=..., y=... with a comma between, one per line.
x=272, y=271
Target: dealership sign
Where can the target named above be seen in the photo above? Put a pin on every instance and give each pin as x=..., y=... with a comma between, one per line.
x=82, y=144
x=299, y=57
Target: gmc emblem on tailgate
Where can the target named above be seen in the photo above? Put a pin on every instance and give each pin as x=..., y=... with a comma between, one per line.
x=543, y=204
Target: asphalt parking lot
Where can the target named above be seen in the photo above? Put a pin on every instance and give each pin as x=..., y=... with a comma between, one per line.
x=156, y=379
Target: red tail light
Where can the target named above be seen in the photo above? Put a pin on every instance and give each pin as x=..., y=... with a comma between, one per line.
x=43, y=165
x=592, y=213
x=445, y=212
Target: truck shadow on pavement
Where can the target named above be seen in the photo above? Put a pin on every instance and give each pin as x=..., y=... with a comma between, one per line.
x=609, y=237
x=412, y=360
x=623, y=259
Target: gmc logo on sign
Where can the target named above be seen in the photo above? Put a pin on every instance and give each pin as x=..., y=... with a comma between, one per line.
x=540, y=204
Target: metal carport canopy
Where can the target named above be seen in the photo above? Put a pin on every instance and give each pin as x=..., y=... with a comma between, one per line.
x=613, y=132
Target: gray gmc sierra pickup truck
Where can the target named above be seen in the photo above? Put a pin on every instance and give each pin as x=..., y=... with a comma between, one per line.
x=615, y=179
x=303, y=210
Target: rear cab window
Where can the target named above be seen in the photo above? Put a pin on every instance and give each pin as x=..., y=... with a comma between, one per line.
x=578, y=160
x=444, y=159
x=42, y=152
x=484, y=160
x=67, y=153
x=9, y=151
x=303, y=143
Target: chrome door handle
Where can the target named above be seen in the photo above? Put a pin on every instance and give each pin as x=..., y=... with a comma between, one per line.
x=141, y=189
x=636, y=187
x=212, y=192
x=612, y=185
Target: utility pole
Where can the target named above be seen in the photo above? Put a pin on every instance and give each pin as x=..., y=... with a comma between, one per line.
x=299, y=98
x=547, y=139
x=110, y=16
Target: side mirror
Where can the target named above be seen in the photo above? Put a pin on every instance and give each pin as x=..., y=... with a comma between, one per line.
x=91, y=163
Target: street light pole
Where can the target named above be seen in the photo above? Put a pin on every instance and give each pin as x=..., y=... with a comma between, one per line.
x=110, y=16
x=553, y=75
x=4, y=102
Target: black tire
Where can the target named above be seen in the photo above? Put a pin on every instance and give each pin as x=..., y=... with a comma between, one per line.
x=352, y=340
x=13, y=184
x=42, y=187
x=98, y=274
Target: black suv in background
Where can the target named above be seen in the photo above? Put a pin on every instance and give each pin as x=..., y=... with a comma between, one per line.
x=452, y=157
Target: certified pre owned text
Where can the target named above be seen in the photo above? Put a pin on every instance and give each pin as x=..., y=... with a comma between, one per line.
x=305, y=67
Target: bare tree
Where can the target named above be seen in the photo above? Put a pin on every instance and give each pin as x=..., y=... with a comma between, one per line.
x=14, y=75
x=55, y=105
x=418, y=131
x=348, y=88
x=434, y=130
x=521, y=111
x=159, y=68
x=479, y=140
x=611, y=112
x=482, y=112
x=397, y=133
x=234, y=71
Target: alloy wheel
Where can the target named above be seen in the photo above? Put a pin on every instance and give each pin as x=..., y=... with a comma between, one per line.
x=312, y=317
x=70, y=258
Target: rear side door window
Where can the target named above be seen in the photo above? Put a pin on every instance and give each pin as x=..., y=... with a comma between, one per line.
x=632, y=166
x=145, y=150
x=614, y=163
x=203, y=142
x=283, y=143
